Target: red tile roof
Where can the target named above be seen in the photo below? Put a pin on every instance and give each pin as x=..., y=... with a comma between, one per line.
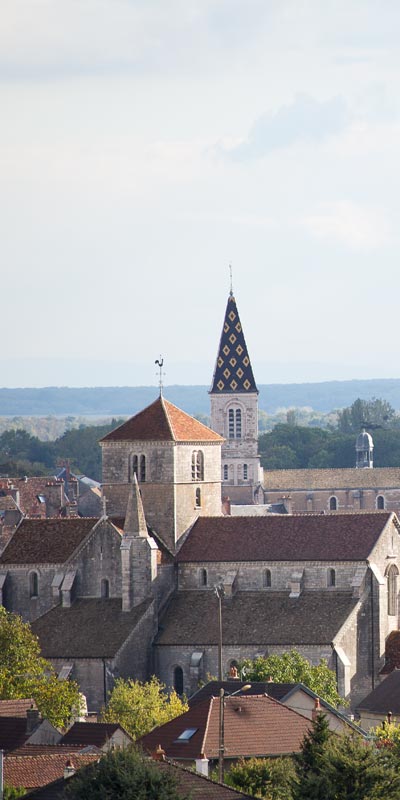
x=254, y=726
x=322, y=537
x=162, y=421
x=38, y=770
x=46, y=541
x=92, y=733
x=16, y=708
x=29, y=489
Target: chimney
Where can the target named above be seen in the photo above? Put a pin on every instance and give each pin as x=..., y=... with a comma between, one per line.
x=317, y=709
x=69, y=769
x=202, y=765
x=158, y=754
x=32, y=720
x=54, y=494
x=287, y=502
x=226, y=506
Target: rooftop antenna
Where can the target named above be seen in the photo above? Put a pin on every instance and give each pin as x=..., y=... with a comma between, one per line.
x=160, y=362
x=231, y=280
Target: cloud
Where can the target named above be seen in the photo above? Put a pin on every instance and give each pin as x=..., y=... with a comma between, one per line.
x=349, y=225
x=303, y=120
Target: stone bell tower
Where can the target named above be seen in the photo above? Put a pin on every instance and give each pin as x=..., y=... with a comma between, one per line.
x=234, y=411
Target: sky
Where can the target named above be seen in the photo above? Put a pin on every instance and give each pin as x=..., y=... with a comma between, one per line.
x=147, y=144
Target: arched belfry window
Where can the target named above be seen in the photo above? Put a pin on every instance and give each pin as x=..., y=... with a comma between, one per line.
x=178, y=680
x=380, y=502
x=235, y=423
x=143, y=468
x=226, y=473
x=333, y=504
x=139, y=468
x=135, y=466
x=33, y=584
x=197, y=465
x=392, y=576
x=331, y=577
x=245, y=472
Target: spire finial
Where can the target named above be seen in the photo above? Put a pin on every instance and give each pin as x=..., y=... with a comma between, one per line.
x=160, y=362
x=231, y=280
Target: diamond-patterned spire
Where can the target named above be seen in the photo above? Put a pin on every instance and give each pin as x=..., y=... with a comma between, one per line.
x=233, y=372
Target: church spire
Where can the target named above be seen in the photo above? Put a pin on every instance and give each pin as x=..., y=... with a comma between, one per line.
x=233, y=371
x=135, y=521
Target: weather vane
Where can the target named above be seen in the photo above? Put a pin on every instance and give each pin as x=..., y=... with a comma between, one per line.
x=231, y=280
x=160, y=362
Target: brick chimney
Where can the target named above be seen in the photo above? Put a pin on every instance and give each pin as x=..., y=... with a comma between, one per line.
x=317, y=709
x=32, y=720
x=158, y=754
x=69, y=769
x=226, y=506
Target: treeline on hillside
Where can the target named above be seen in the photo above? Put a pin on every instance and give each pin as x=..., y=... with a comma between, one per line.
x=23, y=454
x=293, y=446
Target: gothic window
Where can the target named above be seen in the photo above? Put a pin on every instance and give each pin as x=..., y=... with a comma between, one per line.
x=392, y=590
x=105, y=588
x=203, y=577
x=178, y=680
x=380, y=502
x=135, y=466
x=226, y=475
x=33, y=584
x=197, y=465
x=267, y=578
x=235, y=423
x=333, y=504
x=245, y=472
x=331, y=577
x=198, y=498
x=143, y=468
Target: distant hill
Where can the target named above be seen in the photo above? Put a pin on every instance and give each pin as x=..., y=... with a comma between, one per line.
x=127, y=400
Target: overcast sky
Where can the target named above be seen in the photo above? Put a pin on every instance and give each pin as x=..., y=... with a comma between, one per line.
x=145, y=144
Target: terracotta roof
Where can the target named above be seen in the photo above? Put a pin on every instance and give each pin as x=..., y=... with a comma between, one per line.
x=12, y=732
x=29, y=489
x=16, y=708
x=322, y=537
x=92, y=733
x=38, y=770
x=255, y=618
x=233, y=372
x=46, y=541
x=8, y=503
x=385, y=697
x=162, y=421
x=351, y=478
x=198, y=787
x=254, y=726
x=91, y=628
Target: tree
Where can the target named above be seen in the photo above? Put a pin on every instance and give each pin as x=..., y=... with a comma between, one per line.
x=312, y=783
x=124, y=775
x=292, y=667
x=24, y=673
x=271, y=779
x=140, y=707
x=367, y=414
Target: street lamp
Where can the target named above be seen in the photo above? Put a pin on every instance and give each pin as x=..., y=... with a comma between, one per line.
x=221, y=738
x=219, y=591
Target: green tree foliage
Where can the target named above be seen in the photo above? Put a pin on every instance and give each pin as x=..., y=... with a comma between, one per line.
x=140, y=707
x=367, y=414
x=23, y=673
x=388, y=735
x=124, y=775
x=295, y=446
x=292, y=667
x=81, y=447
x=344, y=767
x=271, y=779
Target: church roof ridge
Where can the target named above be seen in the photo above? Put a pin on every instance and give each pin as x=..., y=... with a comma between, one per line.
x=162, y=421
x=233, y=372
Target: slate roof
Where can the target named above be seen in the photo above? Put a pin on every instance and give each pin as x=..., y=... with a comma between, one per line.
x=91, y=733
x=211, y=689
x=46, y=541
x=385, y=697
x=254, y=726
x=320, y=537
x=162, y=421
x=38, y=770
x=16, y=708
x=286, y=480
x=233, y=372
x=91, y=628
x=255, y=618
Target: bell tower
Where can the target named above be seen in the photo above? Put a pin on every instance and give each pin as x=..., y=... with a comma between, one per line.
x=234, y=411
